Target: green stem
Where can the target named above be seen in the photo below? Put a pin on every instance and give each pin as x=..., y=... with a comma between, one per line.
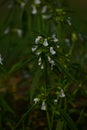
x=46, y=82
x=52, y=119
x=48, y=119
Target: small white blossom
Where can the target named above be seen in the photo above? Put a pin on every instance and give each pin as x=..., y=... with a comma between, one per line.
x=51, y=62
x=54, y=38
x=57, y=46
x=38, y=53
x=45, y=43
x=34, y=48
x=34, y=10
x=37, y=2
x=44, y=9
x=52, y=51
x=36, y=100
x=49, y=59
x=42, y=67
x=62, y=94
x=19, y=32
x=55, y=101
x=1, y=59
x=37, y=39
x=7, y=30
x=43, y=107
x=39, y=61
x=68, y=21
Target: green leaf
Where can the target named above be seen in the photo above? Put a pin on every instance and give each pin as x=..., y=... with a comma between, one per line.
x=68, y=119
x=5, y=105
x=64, y=70
x=18, y=66
x=60, y=125
x=35, y=83
x=24, y=115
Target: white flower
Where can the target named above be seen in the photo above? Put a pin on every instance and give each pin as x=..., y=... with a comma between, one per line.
x=68, y=21
x=54, y=38
x=39, y=61
x=38, y=53
x=22, y=4
x=49, y=59
x=36, y=100
x=45, y=43
x=42, y=67
x=34, y=48
x=37, y=2
x=43, y=107
x=62, y=94
x=44, y=9
x=51, y=62
x=37, y=39
x=19, y=32
x=34, y=10
x=7, y=30
x=57, y=46
x=55, y=101
x=1, y=59
x=52, y=51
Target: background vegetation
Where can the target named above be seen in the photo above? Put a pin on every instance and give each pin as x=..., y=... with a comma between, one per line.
x=43, y=80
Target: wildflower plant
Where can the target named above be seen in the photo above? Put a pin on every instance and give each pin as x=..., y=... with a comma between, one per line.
x=48, y=52
x=52, y=60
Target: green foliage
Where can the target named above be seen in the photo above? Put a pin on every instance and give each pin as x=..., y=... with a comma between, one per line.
x=43, y=71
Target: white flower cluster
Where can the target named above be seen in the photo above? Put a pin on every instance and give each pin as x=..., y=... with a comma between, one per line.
x=61, y=95
x=43, y=10
x=46, y=47
x=34, y=9
x=43, y=105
